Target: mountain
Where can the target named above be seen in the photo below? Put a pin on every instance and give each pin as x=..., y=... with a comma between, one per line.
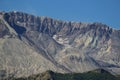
x=31, y=44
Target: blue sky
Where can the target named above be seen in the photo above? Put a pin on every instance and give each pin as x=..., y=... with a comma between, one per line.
x=105, y=11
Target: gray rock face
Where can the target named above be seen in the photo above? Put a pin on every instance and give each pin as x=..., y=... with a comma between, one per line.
x=31, y=44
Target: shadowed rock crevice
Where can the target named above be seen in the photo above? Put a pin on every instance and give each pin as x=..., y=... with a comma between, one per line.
x=19, y=29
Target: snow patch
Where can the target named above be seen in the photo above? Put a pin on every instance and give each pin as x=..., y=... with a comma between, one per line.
x=15, y=11
x=61, y=40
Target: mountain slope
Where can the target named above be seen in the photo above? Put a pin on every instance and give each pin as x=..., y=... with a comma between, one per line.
x=18, y=57
x=42, y=43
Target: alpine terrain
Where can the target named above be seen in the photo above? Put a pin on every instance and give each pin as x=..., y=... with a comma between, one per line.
x=31, y=44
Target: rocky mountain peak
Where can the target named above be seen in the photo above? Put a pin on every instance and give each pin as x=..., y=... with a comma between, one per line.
x=51, y=26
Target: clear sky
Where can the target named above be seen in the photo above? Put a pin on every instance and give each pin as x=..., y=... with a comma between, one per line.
x=105, y=11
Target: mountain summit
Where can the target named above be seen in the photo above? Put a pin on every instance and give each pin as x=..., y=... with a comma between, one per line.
x=31, y=44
